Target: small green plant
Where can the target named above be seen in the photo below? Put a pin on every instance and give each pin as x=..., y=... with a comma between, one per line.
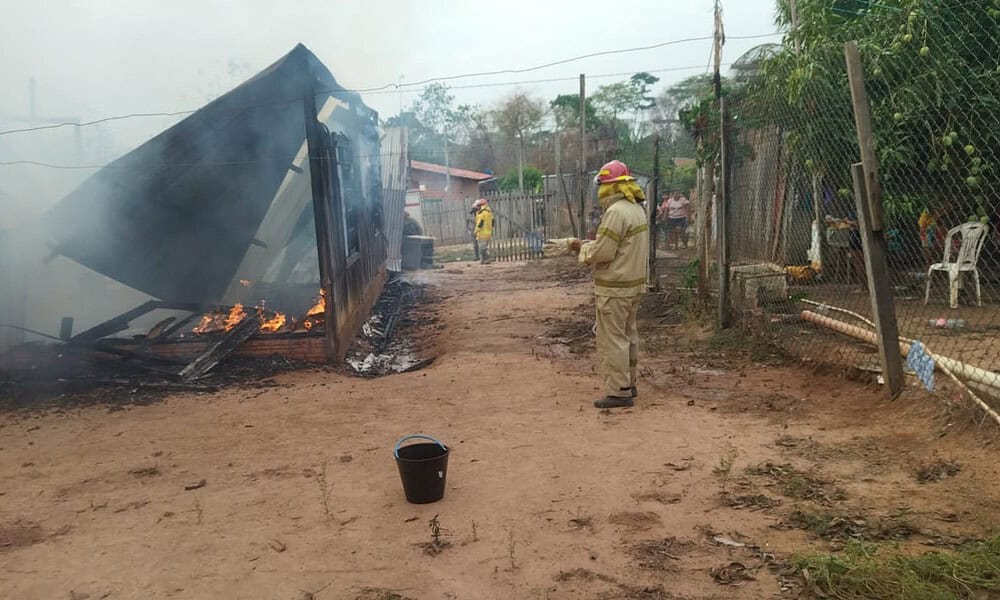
x=689, y=278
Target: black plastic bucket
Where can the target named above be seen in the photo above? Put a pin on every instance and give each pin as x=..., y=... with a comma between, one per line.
x=422, y=468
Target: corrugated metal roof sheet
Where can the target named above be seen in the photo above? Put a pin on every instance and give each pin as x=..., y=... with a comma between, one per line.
x=175, y=217
x=443, y=170
x=394, y=182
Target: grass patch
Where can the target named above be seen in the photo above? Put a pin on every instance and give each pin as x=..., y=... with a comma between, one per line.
x=886, y=572
x=847, y=527
x=792, y=483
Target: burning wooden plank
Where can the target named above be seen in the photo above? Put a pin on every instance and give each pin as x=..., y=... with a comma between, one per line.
x=317, y=314
x=215, y=353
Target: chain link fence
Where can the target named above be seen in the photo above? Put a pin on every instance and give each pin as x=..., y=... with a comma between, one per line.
x=932, y=74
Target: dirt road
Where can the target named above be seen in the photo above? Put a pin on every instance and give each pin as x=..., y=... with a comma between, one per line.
x=727, y=464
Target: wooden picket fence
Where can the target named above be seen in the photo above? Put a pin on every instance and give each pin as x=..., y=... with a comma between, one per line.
x=523, y=222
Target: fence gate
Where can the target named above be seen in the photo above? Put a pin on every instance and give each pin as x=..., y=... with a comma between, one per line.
x=521, y=225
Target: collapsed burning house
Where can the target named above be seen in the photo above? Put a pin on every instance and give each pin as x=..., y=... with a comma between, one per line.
x=254, y=225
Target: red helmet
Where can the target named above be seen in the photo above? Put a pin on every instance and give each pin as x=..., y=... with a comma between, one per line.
x=615, y=170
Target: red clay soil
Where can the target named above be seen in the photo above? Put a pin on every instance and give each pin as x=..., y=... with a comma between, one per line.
x=291, y=492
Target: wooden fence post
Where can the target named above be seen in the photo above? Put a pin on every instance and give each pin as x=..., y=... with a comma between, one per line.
x=654, y=203
x=722, y=216
x=868, y=198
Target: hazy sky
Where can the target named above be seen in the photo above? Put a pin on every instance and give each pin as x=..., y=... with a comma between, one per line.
x=95, y=58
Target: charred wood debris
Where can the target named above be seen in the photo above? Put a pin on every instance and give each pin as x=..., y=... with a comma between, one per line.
x=387, y=344
x=86, y=371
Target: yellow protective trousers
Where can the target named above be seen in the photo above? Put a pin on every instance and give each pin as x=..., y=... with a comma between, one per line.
x=618, y=343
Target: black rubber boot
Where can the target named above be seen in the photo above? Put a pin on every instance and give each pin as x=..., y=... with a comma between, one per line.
x=614, y=402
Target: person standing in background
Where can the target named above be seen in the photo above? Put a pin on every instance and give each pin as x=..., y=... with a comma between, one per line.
x=484, y=229
x=677, y=209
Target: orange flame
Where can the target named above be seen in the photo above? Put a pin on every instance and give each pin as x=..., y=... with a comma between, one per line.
x=317, y=313
x=207, y=324
x=274, y=323
x=219, y=320
x=235, y=316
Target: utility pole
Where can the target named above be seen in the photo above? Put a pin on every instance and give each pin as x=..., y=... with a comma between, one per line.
x=562, y=185
x=705, y=220
x=722, y=216
x=400, y=88
x=720, y=40
x=583, y=156
x=794, y=10
x=520, y=162
x=722, y=193
x=33, y=119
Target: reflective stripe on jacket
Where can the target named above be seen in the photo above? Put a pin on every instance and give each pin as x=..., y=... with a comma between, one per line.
x=619, y=255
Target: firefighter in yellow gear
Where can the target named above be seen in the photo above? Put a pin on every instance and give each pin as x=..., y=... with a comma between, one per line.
x=618, y=257
x=484, y=229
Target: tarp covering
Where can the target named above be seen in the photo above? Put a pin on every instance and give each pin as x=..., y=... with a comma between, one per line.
x=175, y=217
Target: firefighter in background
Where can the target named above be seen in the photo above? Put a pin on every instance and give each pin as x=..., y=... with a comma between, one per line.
x=484, y=229
x=617, y=257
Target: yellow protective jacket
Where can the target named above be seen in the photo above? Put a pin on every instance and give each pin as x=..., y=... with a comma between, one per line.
x=619, y=254
x=484, y=224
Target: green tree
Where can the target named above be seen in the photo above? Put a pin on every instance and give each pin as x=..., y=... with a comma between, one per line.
x=530, y=179
x=931, y=74
x=424, y=143
x=669, y=103
x=625, y=107
x=518, y=117
x=566, y=110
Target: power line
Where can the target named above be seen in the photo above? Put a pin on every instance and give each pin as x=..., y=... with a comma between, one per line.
x=44, y=164
x=334, y=92
x=393, y=87
x=219, y=163
x=564, y=79
x=97, y=121
x=558, y=62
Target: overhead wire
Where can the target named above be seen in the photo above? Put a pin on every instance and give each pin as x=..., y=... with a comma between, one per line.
x=49, y=165
x=392, y=87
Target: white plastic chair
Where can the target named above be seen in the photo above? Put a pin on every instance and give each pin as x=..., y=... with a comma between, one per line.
x=973, y=237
